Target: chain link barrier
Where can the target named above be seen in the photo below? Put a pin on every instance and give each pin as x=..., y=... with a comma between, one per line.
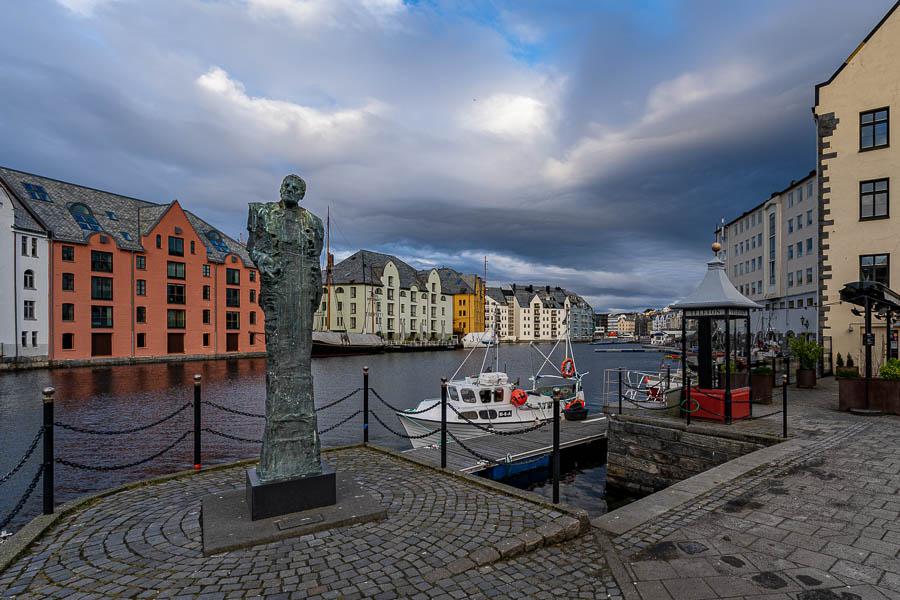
x=233, y=410
x=34, y=480
x=474, y=453
x=25, y=458
x=494, y=431
x=230, y=437
x=338, y=401
x=341, y=422
x=403, y=435
x=121, y=431
x=75, y=465
x=402, y=410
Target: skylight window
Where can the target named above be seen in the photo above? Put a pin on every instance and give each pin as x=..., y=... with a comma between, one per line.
x=112, y=216
x=126, y=235
x=216, y=241
x=84, y=217
x=37, y=192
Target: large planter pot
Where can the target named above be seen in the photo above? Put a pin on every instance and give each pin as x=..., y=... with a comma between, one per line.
x=884, y=395
x=806, y=378
x=710, y=404
x=738, y=380
x=761, y=386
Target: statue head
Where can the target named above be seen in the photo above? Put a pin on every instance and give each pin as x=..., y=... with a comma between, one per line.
x=293, y=188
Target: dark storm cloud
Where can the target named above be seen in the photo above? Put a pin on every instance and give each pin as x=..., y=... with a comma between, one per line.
x=594, y=147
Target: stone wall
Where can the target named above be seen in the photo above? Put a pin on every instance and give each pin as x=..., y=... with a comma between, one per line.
x=646, y=455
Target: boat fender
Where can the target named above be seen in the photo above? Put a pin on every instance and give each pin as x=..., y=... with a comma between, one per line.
x=567, y=369
x=575, y=403
x=519, y=397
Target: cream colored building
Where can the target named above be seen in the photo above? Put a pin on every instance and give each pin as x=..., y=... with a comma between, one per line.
x=538, y=313
x=371, y=292
x=860, y=235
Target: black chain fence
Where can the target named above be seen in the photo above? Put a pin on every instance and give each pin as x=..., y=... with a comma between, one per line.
x=25, y=458
x=75, y=465
x=121, y=431
x=34, y=480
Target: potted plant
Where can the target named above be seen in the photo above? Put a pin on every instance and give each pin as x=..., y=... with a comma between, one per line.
x=848, y=370
x=761, y=384
x=738, y=380
x=806, y=353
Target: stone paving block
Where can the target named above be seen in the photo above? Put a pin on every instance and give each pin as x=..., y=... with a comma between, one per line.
x=483, y=556
x=862, y=573
x=510, y=547
x=652, y=570
x=531, y=539
x=689, y=589
x=652, y=590
x=812, y=559
x=551, y=532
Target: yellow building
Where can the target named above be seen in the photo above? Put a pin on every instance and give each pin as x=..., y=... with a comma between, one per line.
x=858, y=232
x=468, y=300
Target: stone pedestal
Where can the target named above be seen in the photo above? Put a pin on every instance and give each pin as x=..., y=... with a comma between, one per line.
x=290, y=495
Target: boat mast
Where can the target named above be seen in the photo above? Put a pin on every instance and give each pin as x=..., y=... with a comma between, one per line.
x=362, y=256
x=329, y=261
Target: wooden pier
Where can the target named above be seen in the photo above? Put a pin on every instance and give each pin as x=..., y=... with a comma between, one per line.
x=516, y=447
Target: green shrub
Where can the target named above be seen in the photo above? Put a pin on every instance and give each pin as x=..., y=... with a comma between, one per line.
x=840, y=360
x=850, y=360
x=846, y=373
x=891, y=370
x=762, y=370
x=806, y=352
x=730, y=364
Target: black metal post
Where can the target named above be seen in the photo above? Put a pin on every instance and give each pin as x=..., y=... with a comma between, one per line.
x=787, y=368
x=365, y=405
x=784, y=405
x=774, y=368
x=684, y=377
x=868, y=348
x=620, y=390
x=443, y=422
x=727, y=369
x=749, y=370
x=556, y=393
x=197, y=379
x=686, y=381
x=48, y=450
x=668, y=381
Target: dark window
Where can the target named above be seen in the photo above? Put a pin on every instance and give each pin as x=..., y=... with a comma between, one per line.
x=68, y=312
x=126, y=235
x=37, y=192
x=140, y=314
x=68, y=341
x=158, y=241
x=206, y=270
x=68, y=253
x=101, y=316
x=873, y=129
x=140, y=262
x=84, y=217
x=875, y=267
x=206, y=339
x=68, y=281
x=176, y=246
x=175, y=318
x=28, y=279
x=101, y=262
x=101, y=288
x=140, y=287
x=175, y=293
x=142, y=340
x=253, y=317
x=252, y=296
x=252, y=339
x=175, y=270
x=192, y=247
x=206, y=316
x=206, y=291
x=232, y=297
x=28, y=308
x=253, y=277
x=216, y=240
x=232, y=320
x=873, y=199
x=232, y=277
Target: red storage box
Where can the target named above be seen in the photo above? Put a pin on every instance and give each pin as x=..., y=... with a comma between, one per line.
x=712, y=404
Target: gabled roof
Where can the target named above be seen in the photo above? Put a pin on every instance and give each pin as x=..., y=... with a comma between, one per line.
x=497, y=294
x=22, y=218
x=115, y=214
x=364, y=265
x=858, y=48
x=454, y=282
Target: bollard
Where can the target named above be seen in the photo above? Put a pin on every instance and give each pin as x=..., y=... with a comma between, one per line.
x=774, y=381
x=686, y=381
x=556, y=393
x=620, y=390
x=787, y=369
x=48, y=450
x=784, y=384
x=443, y=422
x=365, y=405
x=668, y=382
x=197, y=379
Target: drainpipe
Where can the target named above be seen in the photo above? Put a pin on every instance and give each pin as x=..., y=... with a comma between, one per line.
x=51, y=314
x=132, y=304
x=15, y=296
x=216, y=307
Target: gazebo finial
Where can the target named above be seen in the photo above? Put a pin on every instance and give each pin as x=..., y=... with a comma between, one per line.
x=716, y=246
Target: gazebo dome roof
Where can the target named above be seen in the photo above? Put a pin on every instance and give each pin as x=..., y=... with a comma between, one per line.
x=715, y=291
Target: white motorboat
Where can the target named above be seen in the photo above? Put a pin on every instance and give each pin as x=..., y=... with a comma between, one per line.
x=489, y=401
x=479, y=339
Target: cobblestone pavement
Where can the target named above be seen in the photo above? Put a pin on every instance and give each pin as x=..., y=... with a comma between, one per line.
x=145, y=543
x=820, y=525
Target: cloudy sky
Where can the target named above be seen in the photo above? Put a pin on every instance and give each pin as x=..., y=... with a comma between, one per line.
x=593, y=145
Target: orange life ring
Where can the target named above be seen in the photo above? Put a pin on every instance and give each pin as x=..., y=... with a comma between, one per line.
x=519, y=397
x=574, y=402
x=568, y=368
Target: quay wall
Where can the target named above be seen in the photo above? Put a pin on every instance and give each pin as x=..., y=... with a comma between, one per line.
x=646, y=455
x=24, y=363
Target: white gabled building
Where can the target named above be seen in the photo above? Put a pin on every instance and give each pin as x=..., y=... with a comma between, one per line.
x=25, y=289
x=535, y=313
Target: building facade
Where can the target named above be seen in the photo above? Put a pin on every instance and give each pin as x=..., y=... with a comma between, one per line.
x=771, y=257
x=856, y=162
x=131, y=279
x=536, y=313
x=468, y=300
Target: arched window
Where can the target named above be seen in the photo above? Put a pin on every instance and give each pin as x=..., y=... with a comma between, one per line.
x=339, y=290
x=29, y=279
x=216, y=240
x=84, y=217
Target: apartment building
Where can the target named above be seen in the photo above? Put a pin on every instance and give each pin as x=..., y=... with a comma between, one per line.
x=132, y=279
x=468, y=300
x=498, y=314
x=771, y=257
x=857, y=162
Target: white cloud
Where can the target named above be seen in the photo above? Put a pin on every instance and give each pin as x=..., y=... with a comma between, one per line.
x=507, y=115
x=85, y=8
x=331, y=13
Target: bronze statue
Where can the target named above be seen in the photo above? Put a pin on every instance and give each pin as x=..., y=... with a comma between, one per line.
x=286, y=244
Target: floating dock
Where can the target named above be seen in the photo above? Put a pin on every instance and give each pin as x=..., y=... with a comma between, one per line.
x=515, y=447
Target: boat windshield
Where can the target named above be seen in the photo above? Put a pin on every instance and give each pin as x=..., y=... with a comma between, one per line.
x=451, y=391
x=467, y=395
x=498, y=395
x=485, y=395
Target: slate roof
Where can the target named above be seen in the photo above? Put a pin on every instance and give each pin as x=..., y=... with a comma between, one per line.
x=350, y=270
x=115, y=213
x=22, y=219
x=554, y=298
x=454, y=282
x=497, y=294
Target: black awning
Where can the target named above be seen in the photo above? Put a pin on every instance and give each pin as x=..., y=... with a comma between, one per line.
x=879, y=295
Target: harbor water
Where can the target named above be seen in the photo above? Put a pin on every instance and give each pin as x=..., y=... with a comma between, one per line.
x=128, y=396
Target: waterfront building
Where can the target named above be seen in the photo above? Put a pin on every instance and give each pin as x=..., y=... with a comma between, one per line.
x=371, y=292
x=771, y=255
x=544, y=313
x=24, y=291
x=498, y=313
x=625, y=324
x=132, y=279
x=857, y=164
x=667, y=319
x=468, y=300
x=601, y=324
